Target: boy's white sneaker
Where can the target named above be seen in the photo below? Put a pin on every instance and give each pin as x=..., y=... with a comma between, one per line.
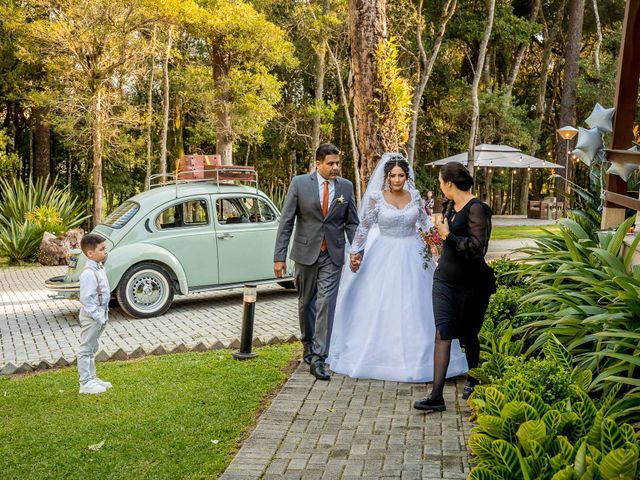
x=106, y=385
x=92, y=387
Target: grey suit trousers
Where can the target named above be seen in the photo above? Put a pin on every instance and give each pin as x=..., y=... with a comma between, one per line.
x=317, y=287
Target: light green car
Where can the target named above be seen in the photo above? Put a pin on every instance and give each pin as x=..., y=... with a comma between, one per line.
x=180, y=239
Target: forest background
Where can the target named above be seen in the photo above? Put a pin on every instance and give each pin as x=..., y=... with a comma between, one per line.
x=95, y=95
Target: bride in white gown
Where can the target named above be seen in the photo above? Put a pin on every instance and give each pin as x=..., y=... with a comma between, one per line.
x=384, y=325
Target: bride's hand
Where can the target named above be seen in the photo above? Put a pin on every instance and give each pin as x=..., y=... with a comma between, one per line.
x=355, y=259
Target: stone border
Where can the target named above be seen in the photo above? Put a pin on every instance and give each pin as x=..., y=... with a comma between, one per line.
x=120, y=354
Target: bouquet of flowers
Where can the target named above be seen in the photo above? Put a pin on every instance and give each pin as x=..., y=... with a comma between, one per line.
x=432, y=246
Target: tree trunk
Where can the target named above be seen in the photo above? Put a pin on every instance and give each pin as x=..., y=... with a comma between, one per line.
x=42, y=146
x=474, y=87
x=367, y=28
x=165, y=104
x=424, y=68
x=321, y=53
x=596, y=53
x=224, y=138
x=549, y=38
x=569, y=87
x=513, y=74
x=97, y=156
x=352, y=135
x=150, y=108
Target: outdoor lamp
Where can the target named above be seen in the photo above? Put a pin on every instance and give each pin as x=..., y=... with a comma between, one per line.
x=250, y=293
x=248, y=314
x=567, y=132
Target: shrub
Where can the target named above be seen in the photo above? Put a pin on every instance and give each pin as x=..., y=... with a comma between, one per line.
x=27, y=210
x=585, y=296
x=507, y=272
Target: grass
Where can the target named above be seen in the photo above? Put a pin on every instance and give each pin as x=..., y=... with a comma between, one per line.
x=5, y=263
x=174, y=416
x=521, y=231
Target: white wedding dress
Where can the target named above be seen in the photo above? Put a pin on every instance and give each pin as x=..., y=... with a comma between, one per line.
x=384, y=326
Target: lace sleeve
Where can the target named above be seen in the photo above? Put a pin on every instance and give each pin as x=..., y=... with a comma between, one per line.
x=368, y=220
x=424, y=221
x=479, y=223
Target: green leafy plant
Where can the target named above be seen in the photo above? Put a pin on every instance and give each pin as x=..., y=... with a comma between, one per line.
x=586, y=294
x=520, y=437
x=27, y=210
x=507, y=272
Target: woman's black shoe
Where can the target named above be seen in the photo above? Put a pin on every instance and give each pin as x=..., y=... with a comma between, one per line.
x=429, y=403
x=467, y=391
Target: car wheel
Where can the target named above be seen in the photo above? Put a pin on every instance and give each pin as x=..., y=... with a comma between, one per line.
x=289, y=285
x=145, y=290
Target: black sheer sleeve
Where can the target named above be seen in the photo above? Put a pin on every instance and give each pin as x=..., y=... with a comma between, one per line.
x=479, y=222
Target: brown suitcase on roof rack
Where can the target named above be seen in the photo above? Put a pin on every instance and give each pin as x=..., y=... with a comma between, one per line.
x=194, y=167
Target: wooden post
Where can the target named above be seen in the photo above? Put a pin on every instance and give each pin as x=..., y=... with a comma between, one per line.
x=625, y=104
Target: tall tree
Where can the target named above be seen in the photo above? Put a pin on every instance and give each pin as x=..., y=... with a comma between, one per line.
x=425, y=68
x=367, y=29
x=569, y=85
x=165, y=102
x=89, y=47
x=242, y=46
x=474, y=87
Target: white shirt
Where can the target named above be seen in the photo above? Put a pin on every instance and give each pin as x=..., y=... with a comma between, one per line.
x=332, y=189
x=89, y=291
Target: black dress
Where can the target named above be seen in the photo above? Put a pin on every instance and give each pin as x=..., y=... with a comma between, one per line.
x=463, y=282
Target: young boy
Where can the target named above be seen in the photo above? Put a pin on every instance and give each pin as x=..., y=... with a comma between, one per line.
x=94, y=297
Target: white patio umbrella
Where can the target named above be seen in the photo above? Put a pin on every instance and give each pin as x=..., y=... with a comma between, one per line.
x=499, y=156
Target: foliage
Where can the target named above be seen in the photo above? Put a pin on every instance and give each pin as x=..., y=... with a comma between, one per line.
x=587, y=298
x=28, y=209
x=506, y=272
x=520, y=436
x=173, y=416
x=9, y=162
x=392, y=104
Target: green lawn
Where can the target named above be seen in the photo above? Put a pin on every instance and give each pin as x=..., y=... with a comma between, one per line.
x=169, y=417
x=503, y=233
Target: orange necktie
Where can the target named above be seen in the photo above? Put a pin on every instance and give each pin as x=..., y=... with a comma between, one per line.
x=325, y=208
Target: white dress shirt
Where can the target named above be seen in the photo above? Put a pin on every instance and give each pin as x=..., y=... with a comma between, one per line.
x=332, y=189
x=89, y=291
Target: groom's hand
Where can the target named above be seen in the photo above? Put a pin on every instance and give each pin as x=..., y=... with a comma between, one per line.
x=280, y=269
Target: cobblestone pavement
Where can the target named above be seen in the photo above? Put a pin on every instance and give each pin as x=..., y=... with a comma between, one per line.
x=35, y=328
x=347, y=429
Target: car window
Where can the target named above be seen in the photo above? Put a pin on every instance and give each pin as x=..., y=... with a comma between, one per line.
x=121, y=215
x=187, y=214
x=243, y=210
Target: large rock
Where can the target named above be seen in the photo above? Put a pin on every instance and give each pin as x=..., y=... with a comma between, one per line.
x=54, y=249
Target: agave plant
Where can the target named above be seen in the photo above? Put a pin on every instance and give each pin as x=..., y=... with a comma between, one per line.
x=27, y=210
x=590, y=300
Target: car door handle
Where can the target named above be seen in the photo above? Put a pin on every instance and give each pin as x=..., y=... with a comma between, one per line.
x=224, y=235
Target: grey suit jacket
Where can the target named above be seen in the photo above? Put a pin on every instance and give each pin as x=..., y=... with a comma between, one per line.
x=302, y=208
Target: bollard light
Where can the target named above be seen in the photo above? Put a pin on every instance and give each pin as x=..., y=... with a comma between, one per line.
x=249, y=310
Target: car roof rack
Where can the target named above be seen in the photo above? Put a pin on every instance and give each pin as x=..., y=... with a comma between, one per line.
x=218, y=174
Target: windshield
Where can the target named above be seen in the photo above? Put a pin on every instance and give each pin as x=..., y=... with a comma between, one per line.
x=121, y=215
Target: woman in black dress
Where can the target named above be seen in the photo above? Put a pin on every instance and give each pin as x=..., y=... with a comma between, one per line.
x=463, y=282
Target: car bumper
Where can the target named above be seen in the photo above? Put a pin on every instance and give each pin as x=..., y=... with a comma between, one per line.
x=62, y=289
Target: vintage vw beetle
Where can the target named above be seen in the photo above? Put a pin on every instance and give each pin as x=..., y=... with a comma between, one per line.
x=183, y=237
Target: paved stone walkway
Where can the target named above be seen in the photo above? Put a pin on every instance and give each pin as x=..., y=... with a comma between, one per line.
x=348, y=429
x=34, y=327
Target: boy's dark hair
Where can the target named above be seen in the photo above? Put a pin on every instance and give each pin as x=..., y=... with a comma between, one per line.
x=326, y=149
x=90, y=242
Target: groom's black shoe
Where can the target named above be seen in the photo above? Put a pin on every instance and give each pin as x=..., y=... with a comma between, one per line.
x=429, y=403
x=318, y=370
x=307, y=353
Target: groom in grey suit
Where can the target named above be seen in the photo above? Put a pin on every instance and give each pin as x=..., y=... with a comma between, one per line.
x=322, y=206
